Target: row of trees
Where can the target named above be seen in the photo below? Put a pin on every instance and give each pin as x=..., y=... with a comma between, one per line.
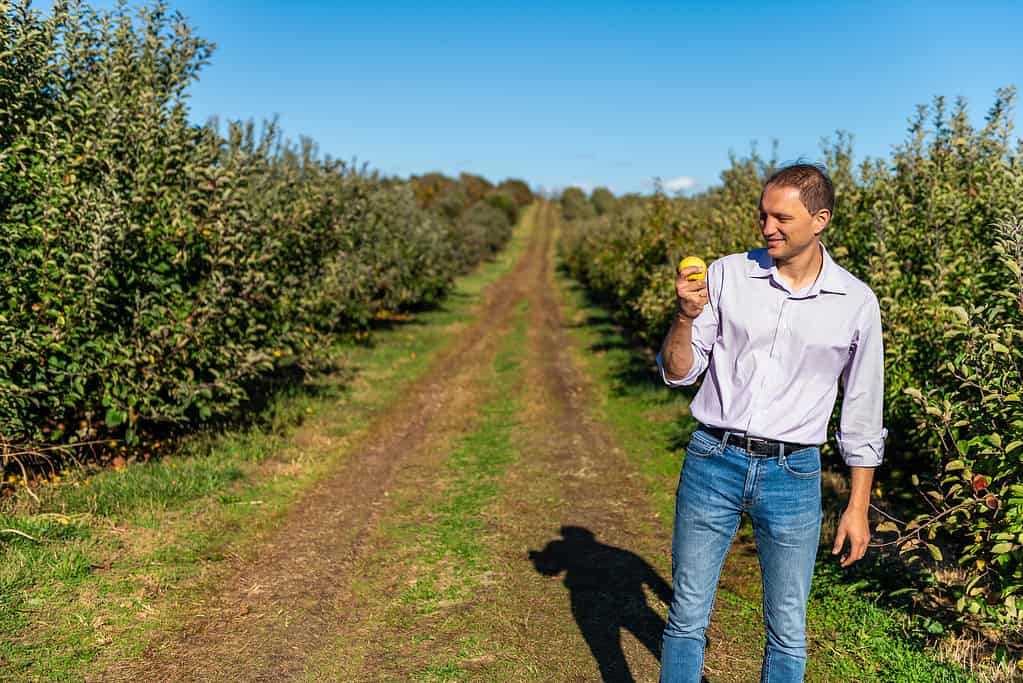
x=936, y=232
x=153, y=270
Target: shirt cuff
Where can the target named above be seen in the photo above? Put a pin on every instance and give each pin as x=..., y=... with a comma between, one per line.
x=860, y=451
x=690, y=378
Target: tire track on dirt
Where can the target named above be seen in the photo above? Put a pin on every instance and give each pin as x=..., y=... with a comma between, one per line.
x=272, y=612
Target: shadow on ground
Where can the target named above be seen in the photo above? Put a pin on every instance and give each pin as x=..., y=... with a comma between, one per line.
x=605, y=587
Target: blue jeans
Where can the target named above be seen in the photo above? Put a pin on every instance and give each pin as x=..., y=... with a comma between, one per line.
x=782, y=496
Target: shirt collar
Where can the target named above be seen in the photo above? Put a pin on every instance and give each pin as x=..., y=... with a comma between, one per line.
x=759, y=264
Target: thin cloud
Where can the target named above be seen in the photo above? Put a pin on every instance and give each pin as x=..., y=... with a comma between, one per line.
x=679, y=184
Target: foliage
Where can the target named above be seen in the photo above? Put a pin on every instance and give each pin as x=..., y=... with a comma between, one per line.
x=575, y=204
x=936, y=232
x=603, y=200
x=153, y=270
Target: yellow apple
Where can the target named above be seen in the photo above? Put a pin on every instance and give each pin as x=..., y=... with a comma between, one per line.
x=691, y=261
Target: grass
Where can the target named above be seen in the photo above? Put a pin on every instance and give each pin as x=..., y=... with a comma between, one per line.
x=452, y=538
x=436, y=535
x=113, y=554
x=116, y=552
x=450, y=548
x=859, y=640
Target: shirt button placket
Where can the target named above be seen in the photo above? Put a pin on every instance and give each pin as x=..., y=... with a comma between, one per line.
x=767, y=373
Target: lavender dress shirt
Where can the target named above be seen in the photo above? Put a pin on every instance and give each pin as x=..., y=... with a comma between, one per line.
x=774, y=357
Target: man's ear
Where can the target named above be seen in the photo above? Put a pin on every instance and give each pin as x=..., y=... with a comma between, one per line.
x=821, y=220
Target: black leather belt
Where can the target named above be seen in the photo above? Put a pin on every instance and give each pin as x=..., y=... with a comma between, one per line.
x=755, y=445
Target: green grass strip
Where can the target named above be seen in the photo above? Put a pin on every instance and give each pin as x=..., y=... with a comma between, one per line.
x=454, y=537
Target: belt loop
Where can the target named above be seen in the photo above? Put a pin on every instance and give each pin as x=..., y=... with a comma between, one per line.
x=724, y=439
x=781, y=453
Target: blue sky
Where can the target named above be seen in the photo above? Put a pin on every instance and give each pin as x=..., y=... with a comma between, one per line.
x=596, y=93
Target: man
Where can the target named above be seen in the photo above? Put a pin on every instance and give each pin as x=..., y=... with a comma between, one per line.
x=776, y=329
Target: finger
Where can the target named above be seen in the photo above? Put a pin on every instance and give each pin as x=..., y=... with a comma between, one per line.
x=690, y=270
x=839, y=541
x=861, y=548
x=693, y=291
x=857, y=549
x=692, y=297
x=683, y=285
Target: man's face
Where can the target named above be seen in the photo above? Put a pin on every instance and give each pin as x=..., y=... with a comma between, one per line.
x=788, y=228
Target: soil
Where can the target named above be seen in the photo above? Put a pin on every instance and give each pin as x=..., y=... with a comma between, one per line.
x=579, y=564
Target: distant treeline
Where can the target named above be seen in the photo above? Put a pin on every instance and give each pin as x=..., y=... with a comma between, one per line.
x=152, y=270
x=936, y=232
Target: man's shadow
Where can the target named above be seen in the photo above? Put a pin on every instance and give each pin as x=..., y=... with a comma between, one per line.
x=605, y=586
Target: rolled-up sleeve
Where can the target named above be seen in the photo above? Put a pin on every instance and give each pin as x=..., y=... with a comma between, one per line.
x=690, y=378
x=861, y=435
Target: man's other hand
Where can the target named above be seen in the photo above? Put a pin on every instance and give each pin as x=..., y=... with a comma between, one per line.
x=692, y=294
x=854, y=528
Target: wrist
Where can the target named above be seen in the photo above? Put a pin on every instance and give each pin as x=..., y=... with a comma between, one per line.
x=680, y=315
x=857, y=507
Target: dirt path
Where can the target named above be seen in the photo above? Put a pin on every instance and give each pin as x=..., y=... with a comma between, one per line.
x=576, y=562
x=291, y=601
x=591, y=525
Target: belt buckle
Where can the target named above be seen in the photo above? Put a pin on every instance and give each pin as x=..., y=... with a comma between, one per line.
x=762, y=450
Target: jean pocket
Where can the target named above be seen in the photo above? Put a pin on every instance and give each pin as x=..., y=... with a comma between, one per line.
x=702, y=444
x=803, y=464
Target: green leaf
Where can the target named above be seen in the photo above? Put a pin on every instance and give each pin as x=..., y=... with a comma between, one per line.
x=1002, y=548
x=886, y=526
x=959, y=312
x=115, y=417
x=913, y=392
x=955, y=465
x=999, y=347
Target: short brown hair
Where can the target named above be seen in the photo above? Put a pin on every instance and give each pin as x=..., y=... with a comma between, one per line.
x=815, y=188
